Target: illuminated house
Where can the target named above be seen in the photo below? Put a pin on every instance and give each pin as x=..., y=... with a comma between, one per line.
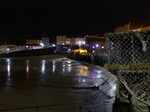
x=18, y=47
x=79, y=41
x=62, y=48
x=33, y=41
x=72, y=41
x=131, y=26
x=95, y=44
x=45, y=42
x=61, y=40
x=76, y=41
x=7, y=48
x=21, y=47
x=68, y=41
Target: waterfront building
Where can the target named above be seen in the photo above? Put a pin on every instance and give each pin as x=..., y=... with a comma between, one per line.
x=72, y=41
x=33, y=41
x=68, y=41
x=21, y=47
x=131, y=26
x=45, y=42
x=79, y=41
x=62, y=48
x=18, y=47
x=61, y=40
x=7, y=48
x=95, y=44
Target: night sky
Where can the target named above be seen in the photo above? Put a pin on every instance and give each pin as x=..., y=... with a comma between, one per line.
x=68, y=17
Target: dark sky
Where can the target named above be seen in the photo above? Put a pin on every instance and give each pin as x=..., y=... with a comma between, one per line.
x=68, y=17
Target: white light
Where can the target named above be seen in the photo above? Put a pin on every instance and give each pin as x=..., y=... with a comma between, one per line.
x=69, y=61
x=54, y=67
x=69, y=64
x=8, y=68
x=8, y=65
x=99, y=76
x=102, y=47
x=79, y=44
x=99, y=71
x=8, y=60
x=27, y=66
x=93, y=51
x=134, y=30
x=69, y=69
x=83, y=80
x=42, y=44
x=53, y=45
x=97, y=45
x=7, y=49
x=43, y=66
x=63, y=70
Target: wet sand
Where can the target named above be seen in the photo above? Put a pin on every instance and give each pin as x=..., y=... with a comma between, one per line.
x=51, y=83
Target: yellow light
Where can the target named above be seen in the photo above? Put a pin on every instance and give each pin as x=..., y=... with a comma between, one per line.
x=81, y=51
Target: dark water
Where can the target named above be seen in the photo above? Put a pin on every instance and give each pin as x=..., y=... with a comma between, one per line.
x=50, y=84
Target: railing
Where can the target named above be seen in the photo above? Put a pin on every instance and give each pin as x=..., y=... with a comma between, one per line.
x=97, y=59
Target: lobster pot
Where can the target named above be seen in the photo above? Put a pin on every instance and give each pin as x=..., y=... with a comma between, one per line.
x=130, y=47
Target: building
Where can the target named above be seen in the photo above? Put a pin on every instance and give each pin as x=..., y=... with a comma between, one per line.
x=68, y=41
x=131, y=26
x=33, y=41
x=72, y=41
x=76, y=41
x=61, y=40
x=45, y=42
x=125, y=28
x=21, y=47
x=90, y=36
x=7, y=48
x=146, y=28
x=79, y=41
x=62, y=48
x=95, y=44
x=18, y=47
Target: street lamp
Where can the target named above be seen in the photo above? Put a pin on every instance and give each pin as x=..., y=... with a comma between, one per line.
x=7, y=49
x=83, y=42
x=97, y=45
x=42, y=44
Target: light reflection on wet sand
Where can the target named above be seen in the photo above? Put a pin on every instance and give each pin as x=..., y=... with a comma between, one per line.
x=43, y=81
